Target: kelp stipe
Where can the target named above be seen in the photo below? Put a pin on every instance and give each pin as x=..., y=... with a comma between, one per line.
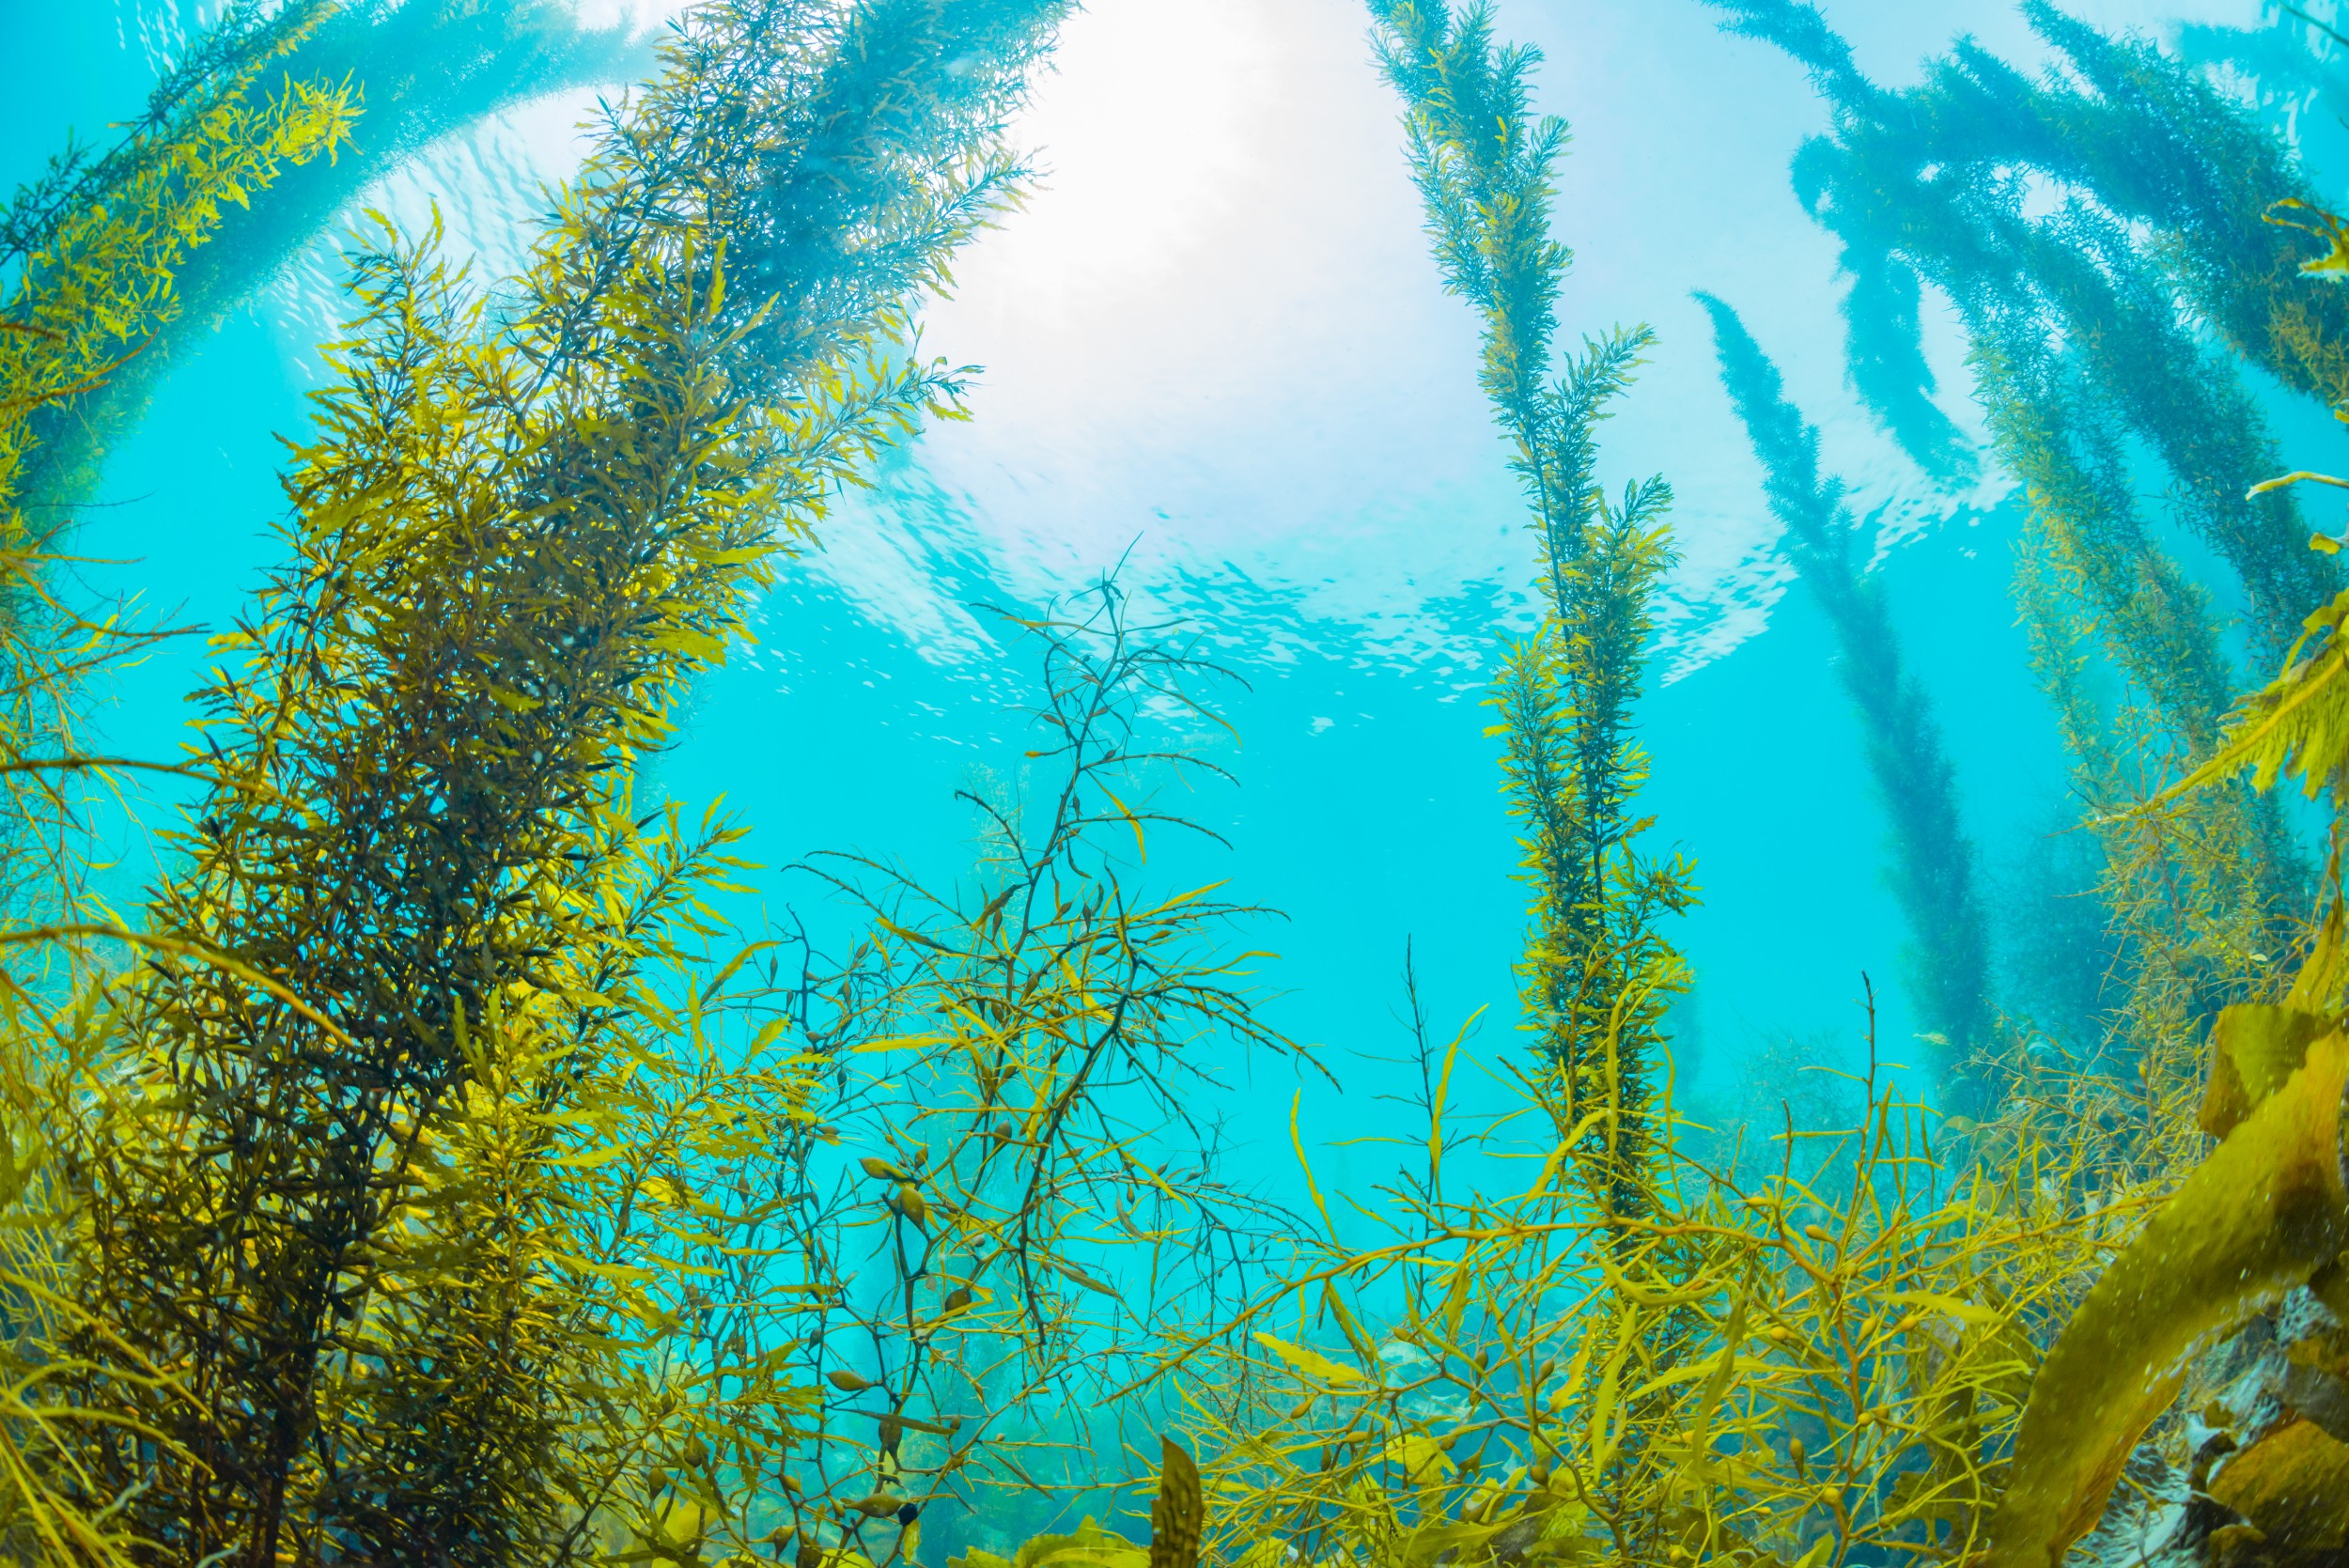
x=1933, y=872
x=1597, y=972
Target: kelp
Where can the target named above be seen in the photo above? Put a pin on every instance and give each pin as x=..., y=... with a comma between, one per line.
x=1597, y=972
x=439, y=1178
x=400, y=1134
x=423, y=67
x=1933, y=871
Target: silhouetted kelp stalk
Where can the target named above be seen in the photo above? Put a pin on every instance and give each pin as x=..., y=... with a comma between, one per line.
x=2166, y=180
x=1597, y=973
x=1047, y=1205
x=2088, y=351
x=417, y=1226
x=424, y=69
x=1934, y=862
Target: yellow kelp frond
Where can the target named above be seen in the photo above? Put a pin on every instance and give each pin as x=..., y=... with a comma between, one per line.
x=2261, y=1215
x=2254, y=1050
x=1596, y=973
x=2297, y=723
x=2333, y=266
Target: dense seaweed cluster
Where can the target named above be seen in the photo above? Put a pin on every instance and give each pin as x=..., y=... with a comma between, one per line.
x=426, y=1174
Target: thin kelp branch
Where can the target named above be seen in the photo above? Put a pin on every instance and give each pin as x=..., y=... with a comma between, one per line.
x=1596, y=973
x=216, y=68
x=1933, y=869
x=1054, y=1197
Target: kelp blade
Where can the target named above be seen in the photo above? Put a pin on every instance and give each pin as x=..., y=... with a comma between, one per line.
x=1180, y=1512
x=2260, y=1216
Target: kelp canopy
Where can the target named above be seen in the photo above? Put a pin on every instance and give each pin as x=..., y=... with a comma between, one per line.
x=429, y=1172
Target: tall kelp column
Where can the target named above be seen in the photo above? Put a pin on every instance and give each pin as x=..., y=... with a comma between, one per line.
x=1934, y=872
x=1597, y=972
x=2112, y=339
x=373, y=1198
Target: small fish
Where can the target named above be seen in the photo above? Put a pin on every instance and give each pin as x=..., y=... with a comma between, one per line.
x=1074, y=1274
x=890, y=1424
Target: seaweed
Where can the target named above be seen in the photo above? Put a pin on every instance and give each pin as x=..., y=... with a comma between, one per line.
x=1932, y=872
x=1597, y=974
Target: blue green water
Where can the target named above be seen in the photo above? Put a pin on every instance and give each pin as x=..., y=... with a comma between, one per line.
x=1212, y=342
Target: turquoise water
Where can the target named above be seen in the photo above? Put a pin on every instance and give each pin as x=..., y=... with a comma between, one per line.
x=1213, y=340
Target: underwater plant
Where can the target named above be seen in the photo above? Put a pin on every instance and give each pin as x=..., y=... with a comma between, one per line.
x=423, y=69
x=1048, y=1210
x=395, y=1146
x=95, y=256
x=1597, y=973
x=1933, y=873
x=439, y=1179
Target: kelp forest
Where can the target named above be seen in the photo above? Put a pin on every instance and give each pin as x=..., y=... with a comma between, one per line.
x=430, y=1167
